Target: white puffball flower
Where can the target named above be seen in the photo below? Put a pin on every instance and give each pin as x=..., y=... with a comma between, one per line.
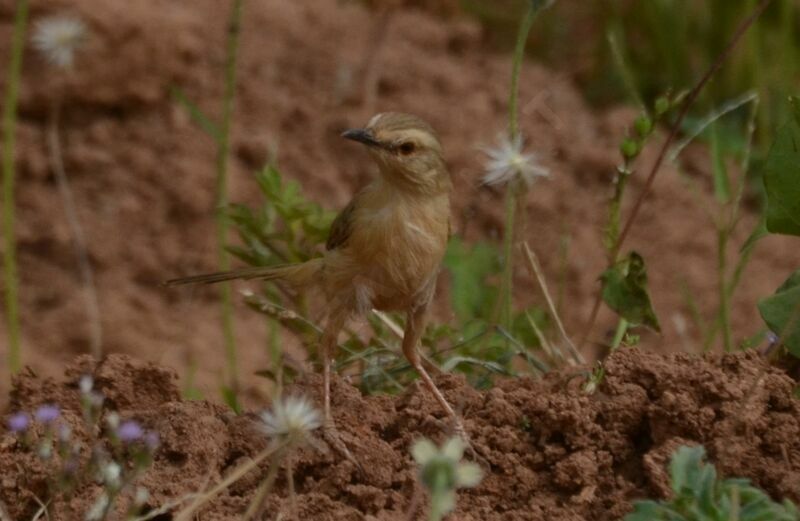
x=507, y=162
x=58, y=37
x=291, y=419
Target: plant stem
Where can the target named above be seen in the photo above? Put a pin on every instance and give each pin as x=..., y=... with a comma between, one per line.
x=9, y=148
x=619, y=334
x=78, y=237
x=223, y=151
x=724, y=297
x=514, y=188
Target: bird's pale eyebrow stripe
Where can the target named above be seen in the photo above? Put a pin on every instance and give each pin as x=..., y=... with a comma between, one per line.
x=374, y=120
x=419, y=136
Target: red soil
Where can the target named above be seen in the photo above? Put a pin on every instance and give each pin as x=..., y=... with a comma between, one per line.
x=551, y=451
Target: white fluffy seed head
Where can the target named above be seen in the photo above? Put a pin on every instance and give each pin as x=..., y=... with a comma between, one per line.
x=58, y=37
x=291, y=418
x=507, y=162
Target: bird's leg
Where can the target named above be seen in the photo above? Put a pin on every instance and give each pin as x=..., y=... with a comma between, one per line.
x=328, y=343
x=415, y=326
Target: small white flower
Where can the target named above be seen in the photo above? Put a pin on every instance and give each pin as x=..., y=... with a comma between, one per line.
x=58, y=37
x=292, y=418
x=442, y=472
x=507, y=162
x=112, y=420
x=141, y=497
x=111, y=474
x=86, y=384
x=98, y=509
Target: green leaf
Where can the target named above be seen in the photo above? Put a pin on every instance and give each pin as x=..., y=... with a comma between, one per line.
x=782, y=178
x=625, y=291
x=781, y=312
x=197, y=115
x=469, y=268
x=700, y=496
x=230, y=398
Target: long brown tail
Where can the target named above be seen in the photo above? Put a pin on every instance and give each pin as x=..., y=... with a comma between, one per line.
x=295, y=274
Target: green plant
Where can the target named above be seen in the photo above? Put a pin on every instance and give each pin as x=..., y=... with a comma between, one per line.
x=231, y=388
x=679, y=34
x=9, y=148
x=700, y=495
x=726, y=148
x=441, y=472
x=685, y=102
x=516, y=185
x=781, y=311
x=220, y=132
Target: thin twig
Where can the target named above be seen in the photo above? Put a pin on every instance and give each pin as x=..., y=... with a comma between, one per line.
x=166, y=507
x=553, y=353
x=393, y=326
x=727, y=108
x=256, y=507
x=78, y=237
x=42, y=509
x=537, y=271
x=676, y=128
x=290, y=481
x=239, y=472
x=223, y=151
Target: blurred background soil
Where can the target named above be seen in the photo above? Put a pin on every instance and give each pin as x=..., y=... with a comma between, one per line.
x=143, y=173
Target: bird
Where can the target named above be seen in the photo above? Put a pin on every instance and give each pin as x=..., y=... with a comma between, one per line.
x=384, y=249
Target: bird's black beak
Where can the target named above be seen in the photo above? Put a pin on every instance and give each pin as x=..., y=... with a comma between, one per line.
x=362, y=135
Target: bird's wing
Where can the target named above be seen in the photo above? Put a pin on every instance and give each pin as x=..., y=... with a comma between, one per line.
x=341, y=226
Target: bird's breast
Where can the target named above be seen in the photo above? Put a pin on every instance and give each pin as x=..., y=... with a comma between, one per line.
x=400, y=244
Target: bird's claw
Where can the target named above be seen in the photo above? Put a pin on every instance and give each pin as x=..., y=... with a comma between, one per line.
x=331, y=435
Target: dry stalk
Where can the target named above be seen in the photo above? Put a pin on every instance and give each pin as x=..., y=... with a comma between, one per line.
x=78, y=237
x=537, y=271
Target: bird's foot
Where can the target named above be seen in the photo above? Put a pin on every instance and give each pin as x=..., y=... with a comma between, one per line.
x=461, y=432
x=333, y=438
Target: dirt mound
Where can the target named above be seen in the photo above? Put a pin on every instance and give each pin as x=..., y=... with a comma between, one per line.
x=552, y=452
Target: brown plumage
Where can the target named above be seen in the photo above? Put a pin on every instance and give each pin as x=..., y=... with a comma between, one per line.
x=385, y=248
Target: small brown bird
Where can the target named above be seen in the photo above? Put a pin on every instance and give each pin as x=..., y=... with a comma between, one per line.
x=385, y=248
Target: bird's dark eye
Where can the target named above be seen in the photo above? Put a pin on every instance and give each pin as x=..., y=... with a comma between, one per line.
x=406, y=148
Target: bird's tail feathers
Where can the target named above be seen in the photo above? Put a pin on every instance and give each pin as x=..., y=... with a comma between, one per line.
x=295, y=274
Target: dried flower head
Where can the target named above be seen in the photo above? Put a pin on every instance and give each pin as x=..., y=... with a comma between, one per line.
x=58, y=37
x=441, y=471
x=47, y=414
x=292, y=418
x=507, y=162
x=19, y=422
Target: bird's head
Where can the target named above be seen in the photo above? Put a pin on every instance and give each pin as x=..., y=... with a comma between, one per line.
x=407, y=151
